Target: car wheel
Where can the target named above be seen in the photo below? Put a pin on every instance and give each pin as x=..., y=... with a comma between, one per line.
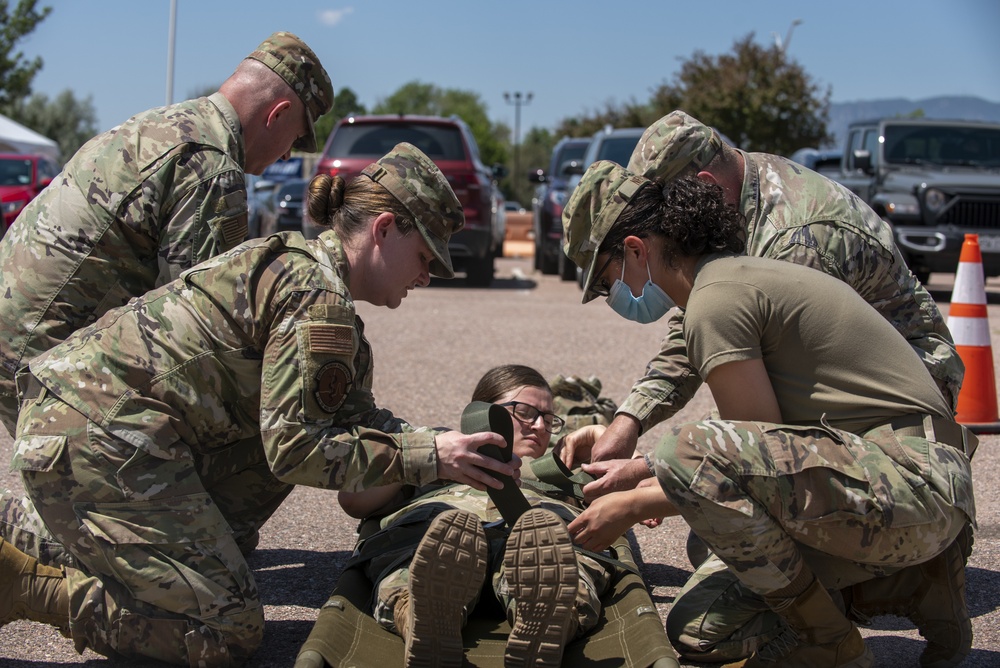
x=480, y=272
x=567, y=270
x=548, y=264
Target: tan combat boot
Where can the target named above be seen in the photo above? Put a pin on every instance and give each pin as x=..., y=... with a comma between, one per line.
x=30, y=590
x=542, y=572
x=932, y=595
x=446, y=574
x=818, y=634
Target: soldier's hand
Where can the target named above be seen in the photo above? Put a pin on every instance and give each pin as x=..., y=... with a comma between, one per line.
x=618, y=441
x=459, y=459
x=600, y=524
x=614, y=475
x=576, y=446
x=603, y=521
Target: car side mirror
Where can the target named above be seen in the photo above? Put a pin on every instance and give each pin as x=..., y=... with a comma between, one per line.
x=537, y=176
x=499, y=171
x=44, y=182
x=863, y=161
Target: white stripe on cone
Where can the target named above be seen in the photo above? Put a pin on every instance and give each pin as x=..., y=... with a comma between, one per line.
x=970, y=287
x=969, y=331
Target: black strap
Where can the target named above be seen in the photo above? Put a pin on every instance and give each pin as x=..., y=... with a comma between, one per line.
x=481, y=416
x=940, y=430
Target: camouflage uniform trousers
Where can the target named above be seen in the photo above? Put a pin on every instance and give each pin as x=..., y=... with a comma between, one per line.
x=772, y=501
x=157, y=570
x=390, y=571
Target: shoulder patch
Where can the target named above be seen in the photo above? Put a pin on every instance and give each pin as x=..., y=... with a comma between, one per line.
x=333, y=381
x=331, y=339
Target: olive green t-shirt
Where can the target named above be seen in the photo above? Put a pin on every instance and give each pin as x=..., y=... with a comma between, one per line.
x=827, y=352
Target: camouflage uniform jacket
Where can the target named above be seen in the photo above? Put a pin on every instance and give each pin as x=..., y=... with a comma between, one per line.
x=259, y=344
x=135, y=207
x=796, y=215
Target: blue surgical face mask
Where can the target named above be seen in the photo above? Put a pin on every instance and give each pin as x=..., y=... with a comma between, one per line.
x=651, y=305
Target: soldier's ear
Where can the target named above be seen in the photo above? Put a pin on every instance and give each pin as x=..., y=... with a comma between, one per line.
x=382, y=224
x=280, y=108
x=708, y=176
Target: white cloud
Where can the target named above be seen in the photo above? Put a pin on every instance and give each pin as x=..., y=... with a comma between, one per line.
x=332, y=17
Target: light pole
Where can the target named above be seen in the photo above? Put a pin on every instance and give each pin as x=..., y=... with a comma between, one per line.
x=783, y=44
x=518, y=100
x=171, y=43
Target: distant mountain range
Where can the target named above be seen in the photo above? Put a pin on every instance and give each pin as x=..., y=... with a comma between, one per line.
x=964, y=107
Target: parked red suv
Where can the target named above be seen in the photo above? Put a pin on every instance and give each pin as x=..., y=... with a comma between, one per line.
x=22, y=177
x=357, y=141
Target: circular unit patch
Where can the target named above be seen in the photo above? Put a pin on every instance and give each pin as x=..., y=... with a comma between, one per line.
x=333, y=381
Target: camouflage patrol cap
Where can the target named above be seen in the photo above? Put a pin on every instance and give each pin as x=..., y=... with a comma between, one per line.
x=296, y=63
x=602, y=194
x=420, y=186
x=671, y=145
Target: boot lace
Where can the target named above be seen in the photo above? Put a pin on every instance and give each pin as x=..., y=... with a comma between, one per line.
x=779, y=646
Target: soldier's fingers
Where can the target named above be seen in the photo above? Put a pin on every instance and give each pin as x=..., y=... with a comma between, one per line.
x=475, y=477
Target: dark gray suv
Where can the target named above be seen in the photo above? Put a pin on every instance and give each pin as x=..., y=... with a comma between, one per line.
x=550, y=198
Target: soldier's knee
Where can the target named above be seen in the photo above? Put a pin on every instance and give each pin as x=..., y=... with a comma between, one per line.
x=684, y=624
x=241, y=635
x=213, y=643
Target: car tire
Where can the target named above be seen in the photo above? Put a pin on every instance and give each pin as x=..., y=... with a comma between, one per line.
x=480, y=272
x=567, y=269
x=547, y=264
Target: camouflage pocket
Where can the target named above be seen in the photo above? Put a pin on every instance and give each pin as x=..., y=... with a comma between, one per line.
x=37, y=453
x=326, y=366
x=820, y=478
x=176, y=554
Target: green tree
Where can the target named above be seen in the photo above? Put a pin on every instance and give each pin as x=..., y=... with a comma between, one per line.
x=536, y=149
x=16, y=71
x=345, y=102
x=416, y=97
x=66, y=120
x=632, y=114
x=756, y=95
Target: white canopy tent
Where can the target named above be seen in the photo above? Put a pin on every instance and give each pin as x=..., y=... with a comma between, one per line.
x=15, y=138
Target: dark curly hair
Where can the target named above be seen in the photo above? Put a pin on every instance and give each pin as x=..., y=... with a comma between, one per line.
x=689, y=214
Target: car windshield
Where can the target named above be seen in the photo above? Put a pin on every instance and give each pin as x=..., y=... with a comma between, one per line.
x=942, y=145
x=373, y=140
x=293, y=190
x=572, y=152
x=617, y=149
x=15, y=172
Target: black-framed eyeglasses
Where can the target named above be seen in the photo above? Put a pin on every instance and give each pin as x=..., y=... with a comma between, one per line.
x=527, y=414
x=594, y=288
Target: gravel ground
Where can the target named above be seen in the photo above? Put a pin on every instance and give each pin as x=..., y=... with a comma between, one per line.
x=429, y=354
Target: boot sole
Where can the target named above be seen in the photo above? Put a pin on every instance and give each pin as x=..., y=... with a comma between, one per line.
x=541, y=570
x=446, y=574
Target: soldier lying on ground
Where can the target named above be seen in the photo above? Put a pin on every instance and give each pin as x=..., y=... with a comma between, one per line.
x=835, y=460
x=155, y=443
x=550, y=594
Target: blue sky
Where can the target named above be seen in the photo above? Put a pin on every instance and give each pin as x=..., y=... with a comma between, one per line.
x=573, y=56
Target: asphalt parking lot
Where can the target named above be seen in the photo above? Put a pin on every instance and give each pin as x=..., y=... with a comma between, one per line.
x=429, y=354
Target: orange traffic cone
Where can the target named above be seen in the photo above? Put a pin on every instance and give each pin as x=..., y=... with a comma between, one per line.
x=969, y=325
